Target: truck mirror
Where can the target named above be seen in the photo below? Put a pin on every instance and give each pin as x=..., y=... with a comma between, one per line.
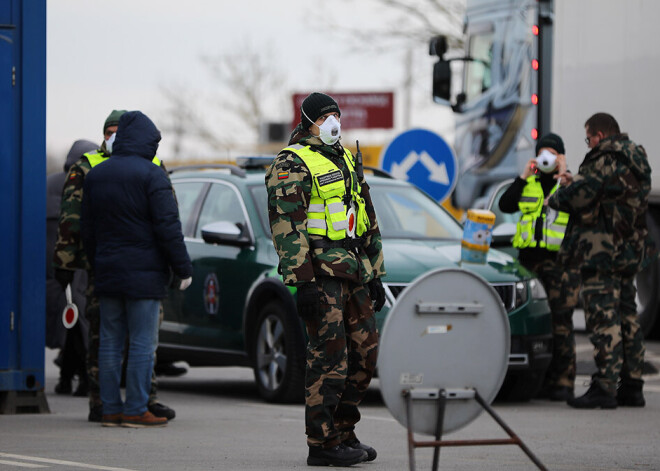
x=441, y=81
x=438, y=46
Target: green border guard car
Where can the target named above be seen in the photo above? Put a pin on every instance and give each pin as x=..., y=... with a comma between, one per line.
x=237, y=312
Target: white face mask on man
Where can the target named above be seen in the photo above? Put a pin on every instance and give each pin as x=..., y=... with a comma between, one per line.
x=546, y=161
x=330, y=130
x=109, y=141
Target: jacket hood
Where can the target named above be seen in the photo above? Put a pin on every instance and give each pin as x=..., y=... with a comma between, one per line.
x=631, y=154
x=136, y=135
x=78, y=148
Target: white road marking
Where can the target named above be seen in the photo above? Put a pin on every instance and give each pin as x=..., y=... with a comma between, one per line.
x=22, y=465
x=62, y=462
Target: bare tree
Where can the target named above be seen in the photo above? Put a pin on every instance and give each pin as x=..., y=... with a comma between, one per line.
x=246, y=85
x=184, y=120
x=250, y=76
x=410, y=21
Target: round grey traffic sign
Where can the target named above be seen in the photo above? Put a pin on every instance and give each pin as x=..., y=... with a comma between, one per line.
x=447, y=331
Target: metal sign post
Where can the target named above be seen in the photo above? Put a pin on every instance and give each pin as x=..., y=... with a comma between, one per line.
x=441, y=397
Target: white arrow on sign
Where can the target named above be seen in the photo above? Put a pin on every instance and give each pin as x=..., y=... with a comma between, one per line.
x=400, y=170
x=438, y=170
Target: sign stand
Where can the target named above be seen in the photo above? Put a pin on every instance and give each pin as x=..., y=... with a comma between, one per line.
x=442, y=396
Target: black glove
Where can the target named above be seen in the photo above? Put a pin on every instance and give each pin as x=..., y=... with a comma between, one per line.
x=377, y=293
x=63, y=277
x=309, y=303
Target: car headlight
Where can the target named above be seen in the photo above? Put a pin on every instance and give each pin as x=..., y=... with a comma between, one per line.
x=521, y=293
x=537, y=289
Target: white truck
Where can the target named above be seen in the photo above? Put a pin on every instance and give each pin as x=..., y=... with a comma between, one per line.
x=536, y=66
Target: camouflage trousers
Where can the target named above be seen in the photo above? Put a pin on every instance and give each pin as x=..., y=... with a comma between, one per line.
x=611, y=318
x=93, y=315
x=562, y=287
x=341, y=358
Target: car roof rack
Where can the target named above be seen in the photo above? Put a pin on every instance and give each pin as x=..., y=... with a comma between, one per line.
x=239, y=172
x=379, y=172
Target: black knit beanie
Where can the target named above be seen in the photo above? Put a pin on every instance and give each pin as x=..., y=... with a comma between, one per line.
x=315, y=106
x=113, y=119
x=552, y=141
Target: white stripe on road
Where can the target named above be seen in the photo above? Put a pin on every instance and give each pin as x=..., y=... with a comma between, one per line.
x=21, y=465
x=374, y=417
x=61, y=462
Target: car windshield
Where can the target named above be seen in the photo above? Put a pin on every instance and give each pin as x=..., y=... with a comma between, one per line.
x=402, y=212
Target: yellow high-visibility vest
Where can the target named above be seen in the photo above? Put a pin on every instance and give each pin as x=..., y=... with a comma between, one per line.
x=533, y=213
x=328, y=213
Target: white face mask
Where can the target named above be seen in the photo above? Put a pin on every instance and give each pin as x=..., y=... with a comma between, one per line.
x=330, y=130
x=546, y=161
x=109, y=142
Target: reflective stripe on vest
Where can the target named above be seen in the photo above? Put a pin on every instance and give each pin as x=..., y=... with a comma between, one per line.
x=554, y=222
x=96, y=158
x=327, y=215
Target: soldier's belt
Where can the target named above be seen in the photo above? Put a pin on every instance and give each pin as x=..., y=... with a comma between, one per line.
x=348, y=243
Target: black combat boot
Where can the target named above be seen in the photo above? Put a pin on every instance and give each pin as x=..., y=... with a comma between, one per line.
x=340, y=455
x=95, y=413
x=356, y=444
x=63, y=386
x=161, y=410
x=629, y=393
x=593, y=398
x=561, y=393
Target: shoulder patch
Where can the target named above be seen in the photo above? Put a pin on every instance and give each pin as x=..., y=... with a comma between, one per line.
x=282, y=174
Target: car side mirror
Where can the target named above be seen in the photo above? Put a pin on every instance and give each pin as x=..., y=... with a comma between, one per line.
x=503, y=233
x=225, y=233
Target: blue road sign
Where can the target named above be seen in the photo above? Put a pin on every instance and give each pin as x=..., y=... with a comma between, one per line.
x=424, y=159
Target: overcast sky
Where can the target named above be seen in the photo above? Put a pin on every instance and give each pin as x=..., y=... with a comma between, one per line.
x=119, y=54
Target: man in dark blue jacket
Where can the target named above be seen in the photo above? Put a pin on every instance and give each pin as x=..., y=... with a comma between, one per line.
x=132, y=236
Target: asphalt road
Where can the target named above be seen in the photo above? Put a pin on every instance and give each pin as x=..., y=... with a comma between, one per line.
x=222, y=424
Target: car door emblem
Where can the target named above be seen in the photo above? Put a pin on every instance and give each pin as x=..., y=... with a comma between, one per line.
x=211, y=292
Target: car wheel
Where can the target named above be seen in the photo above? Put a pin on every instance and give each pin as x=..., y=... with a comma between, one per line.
x=520, y=387
x=279, y=355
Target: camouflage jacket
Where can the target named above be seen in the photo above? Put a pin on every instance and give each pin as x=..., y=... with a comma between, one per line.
x=288, y=200
x=607, y=201
x=69, y=253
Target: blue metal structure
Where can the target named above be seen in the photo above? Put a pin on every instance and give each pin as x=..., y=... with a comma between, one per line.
x=22, y=196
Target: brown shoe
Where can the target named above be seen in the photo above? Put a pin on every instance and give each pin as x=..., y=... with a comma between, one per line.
x=111, y=420
x=141, y=421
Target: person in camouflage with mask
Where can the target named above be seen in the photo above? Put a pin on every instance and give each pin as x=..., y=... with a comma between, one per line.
x=540, y=231
x=607, y=239
x=70, y=256
x=325, y=232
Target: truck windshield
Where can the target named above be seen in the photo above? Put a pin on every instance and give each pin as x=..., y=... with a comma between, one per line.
x=478, y=77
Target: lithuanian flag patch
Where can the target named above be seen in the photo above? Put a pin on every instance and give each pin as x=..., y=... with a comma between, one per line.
x=282, y=175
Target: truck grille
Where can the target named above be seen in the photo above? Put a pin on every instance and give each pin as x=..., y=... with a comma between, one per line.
x=506, y=292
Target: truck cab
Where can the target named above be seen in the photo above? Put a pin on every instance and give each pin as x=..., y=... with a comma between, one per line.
x=530, y=67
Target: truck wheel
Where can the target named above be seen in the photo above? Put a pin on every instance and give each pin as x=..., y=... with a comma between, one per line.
x=648, y=294
x=278, y=355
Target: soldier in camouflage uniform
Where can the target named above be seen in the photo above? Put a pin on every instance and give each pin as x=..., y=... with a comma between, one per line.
x=607, y=238
x=69, y=256
x=325, y=231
